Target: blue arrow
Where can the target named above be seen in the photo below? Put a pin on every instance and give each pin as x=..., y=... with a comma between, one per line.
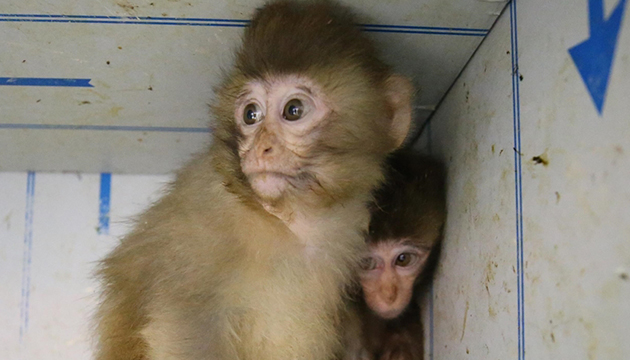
x=594, y=56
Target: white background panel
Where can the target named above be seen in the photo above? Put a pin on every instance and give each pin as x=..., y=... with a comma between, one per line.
x=159, y=76
x=50, y=317
x=570, y=177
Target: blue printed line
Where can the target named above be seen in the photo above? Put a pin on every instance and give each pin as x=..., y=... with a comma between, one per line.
x=437, y=28
x=518, y=185
x=126, y=22
x=148, y=20
x=27, y=254
x=104, y=203
x=24, y=81
x=108, y=17
x=427, y=32
x=106, y=128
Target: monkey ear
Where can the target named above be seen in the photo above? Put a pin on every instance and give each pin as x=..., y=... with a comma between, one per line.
x=399, y=92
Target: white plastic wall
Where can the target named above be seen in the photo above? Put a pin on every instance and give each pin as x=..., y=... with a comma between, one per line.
x=53, y=229
x=123, y=86
x=536, y=260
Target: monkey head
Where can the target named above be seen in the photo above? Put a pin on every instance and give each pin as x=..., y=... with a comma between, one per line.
x=312, y=115
x=389, y=274
x=406, y=225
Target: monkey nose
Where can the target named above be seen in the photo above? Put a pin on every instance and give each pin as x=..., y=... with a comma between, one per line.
x=390, y=293
x=264, y=150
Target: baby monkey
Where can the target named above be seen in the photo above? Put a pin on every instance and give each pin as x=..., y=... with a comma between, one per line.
x=403, y=242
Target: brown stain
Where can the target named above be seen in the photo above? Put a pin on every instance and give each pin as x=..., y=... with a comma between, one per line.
x=492, y=312
x=489, y=276
x=493, y=148
x=557, y=197
x=7, y=220
x=541, y=159
x=128, y=7
x=591, y=349
x=465, y=318
x=99, y=83
x=114, y=111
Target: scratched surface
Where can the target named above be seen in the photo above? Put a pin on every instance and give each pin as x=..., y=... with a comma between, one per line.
x=134, y=77
x=537, y=254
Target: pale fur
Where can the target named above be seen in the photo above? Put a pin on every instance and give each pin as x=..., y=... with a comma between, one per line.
x=263, y=294
x=217, y=270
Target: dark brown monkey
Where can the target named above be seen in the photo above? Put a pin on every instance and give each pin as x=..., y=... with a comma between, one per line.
x=249, y=253
x=405, y=231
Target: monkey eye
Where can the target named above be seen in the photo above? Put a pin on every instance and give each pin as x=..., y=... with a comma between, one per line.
x=252, y=114
x=293, y=110
x=368, y=263
x=404, y=259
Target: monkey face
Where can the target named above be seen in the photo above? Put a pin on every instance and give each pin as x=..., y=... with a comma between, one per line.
x=279, y=121
x=388, y=276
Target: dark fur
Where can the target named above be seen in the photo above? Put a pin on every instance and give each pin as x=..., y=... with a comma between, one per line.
x=326, y=38
x=411, y=205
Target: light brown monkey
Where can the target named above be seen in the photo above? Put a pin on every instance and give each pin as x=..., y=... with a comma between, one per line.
x=405, y=231
x=249, y=253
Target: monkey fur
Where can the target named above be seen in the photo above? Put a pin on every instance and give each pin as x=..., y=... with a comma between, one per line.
x=409, y=209
x=235, y=263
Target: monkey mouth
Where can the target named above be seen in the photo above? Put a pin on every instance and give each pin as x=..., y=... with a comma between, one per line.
x=270, y=184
